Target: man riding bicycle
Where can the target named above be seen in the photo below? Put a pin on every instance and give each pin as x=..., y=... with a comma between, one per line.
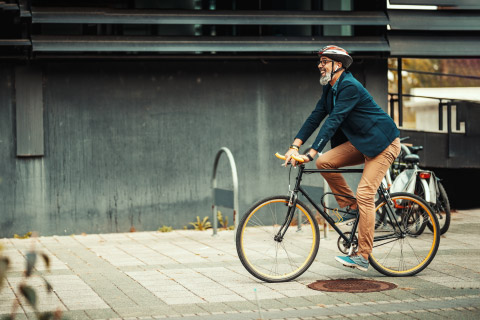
x=360, y=132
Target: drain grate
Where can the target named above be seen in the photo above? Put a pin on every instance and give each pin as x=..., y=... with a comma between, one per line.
x=351, y=285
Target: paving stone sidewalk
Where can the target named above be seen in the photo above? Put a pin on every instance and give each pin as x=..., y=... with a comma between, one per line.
x=192, y=275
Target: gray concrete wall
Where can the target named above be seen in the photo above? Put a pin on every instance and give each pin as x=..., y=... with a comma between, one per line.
x=132, y=143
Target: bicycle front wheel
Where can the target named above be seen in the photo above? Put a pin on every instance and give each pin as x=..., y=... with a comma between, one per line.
x=265, y=255
x=398, y=248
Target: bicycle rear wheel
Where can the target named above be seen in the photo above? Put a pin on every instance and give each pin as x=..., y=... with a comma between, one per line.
x=399, y=249
x=273, y=260
x=442, y=210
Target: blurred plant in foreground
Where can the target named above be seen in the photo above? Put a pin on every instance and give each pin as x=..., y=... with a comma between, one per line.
x=26, y=291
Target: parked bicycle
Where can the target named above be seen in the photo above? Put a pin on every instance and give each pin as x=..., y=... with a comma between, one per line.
x=409, y=177
x=278, y=237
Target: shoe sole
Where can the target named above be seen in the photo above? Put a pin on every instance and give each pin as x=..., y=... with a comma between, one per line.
x=351, y=265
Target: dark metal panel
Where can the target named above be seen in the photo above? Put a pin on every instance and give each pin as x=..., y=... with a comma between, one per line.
x=466, y=149
x=375, y=71
x=434, y=46
x=224, y=198
x=118, y=16
x=25, y=6
x=29, y=111
x=434, y=20
x=467, y=111
x=15, y=42
x=195, y=44
x=8, y=175
x=8, y=6
x=465, y=4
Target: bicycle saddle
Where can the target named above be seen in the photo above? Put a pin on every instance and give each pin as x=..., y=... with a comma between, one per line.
x=411, y=158
x=415, y=149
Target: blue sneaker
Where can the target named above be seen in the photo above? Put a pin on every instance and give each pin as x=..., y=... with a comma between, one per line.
x=357, y=261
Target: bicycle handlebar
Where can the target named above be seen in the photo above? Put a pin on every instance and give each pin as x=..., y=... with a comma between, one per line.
x=279, y=156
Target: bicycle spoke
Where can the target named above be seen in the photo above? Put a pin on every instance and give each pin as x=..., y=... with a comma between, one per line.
x=262, y=226
x=276, y=260
x=382, y=244
x=274, y=216
x=386, y=256
x=413, y=250
x=410, y=250
x=275, y=265
x=401, y=261
x=413, y=224
x=292, y=263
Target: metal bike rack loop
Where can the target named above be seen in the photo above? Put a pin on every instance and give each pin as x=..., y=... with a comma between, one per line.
x=222, y=197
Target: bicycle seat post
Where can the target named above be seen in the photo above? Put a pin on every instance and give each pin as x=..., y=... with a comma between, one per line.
x=383, y=192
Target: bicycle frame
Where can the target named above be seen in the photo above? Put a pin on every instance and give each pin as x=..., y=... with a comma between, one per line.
x=383, y=193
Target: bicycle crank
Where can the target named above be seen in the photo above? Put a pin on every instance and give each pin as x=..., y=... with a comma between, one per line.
x=343, y=245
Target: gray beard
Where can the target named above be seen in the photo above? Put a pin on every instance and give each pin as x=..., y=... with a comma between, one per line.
x=325, y=79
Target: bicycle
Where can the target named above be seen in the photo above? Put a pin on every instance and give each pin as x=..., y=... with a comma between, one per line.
x=278, y=239
x=408, y=176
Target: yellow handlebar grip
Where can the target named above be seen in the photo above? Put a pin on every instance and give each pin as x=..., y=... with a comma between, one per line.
x=298, y=159
x=279, y=156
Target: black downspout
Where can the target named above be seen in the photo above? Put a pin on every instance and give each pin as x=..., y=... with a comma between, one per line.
x=400, y=92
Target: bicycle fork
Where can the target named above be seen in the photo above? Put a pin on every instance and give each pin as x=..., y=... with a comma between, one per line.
x=292, y=203
x=288, y=219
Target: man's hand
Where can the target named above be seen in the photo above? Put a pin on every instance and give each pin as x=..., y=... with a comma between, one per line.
x=293, y=150
x=288, y=157
x=308, y=157
x=303, y=157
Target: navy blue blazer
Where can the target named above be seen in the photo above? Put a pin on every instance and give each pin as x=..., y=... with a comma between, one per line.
x=352, y=111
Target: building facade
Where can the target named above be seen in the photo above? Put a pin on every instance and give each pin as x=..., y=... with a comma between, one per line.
x=112, y=112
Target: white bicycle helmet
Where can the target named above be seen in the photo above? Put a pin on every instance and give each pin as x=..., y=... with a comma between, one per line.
x=338, y=54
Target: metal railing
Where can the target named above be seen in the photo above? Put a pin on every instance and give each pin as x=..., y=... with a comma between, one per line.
x=396, y=99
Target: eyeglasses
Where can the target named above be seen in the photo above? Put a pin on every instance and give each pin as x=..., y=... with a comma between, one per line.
x=323, y=62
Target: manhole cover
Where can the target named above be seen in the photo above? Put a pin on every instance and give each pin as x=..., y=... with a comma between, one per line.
x=351, y=285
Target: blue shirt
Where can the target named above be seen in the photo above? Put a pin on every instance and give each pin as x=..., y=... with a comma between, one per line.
x=334, y=90
x=351, y=109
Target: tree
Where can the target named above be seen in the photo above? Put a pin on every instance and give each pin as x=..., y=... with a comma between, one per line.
x=441, y=66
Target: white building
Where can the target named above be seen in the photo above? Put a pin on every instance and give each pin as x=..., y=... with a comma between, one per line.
x=424, y=107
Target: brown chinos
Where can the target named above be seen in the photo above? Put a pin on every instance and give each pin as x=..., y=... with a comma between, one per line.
x=374, y=171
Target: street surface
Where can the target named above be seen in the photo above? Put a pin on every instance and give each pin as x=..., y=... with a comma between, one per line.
x=191, y=275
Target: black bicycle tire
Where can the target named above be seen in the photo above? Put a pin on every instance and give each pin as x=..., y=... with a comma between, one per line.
x=432, y=253
x=244, y=260
x=444, y=197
